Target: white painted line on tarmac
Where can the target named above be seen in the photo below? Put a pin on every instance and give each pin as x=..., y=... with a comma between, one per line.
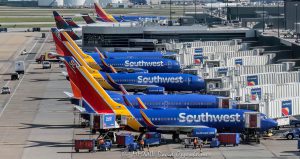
x=10, y=98
x=7, y=83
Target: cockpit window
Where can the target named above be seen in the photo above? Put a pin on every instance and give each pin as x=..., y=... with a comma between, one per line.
x=263, y=117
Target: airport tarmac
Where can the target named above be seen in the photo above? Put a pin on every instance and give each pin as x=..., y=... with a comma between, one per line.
x=38, y=121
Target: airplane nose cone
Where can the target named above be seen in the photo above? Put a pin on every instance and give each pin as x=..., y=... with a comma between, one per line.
x=274, y=124
x=269, y=124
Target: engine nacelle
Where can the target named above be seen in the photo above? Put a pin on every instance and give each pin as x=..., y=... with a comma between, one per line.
x=155, y=90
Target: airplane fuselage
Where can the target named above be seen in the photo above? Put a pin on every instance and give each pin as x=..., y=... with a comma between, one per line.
x=170, y=81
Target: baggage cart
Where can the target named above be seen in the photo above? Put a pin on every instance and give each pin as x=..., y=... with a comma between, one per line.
x=123, y=140
x=229, y=138
x=85, y=144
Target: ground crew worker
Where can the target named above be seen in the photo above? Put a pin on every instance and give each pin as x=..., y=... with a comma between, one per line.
x=195, y=143
x=101, y=140
x=201, y=145
x=142, y=145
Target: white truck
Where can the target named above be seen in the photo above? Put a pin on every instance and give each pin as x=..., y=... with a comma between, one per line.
x=20, y=67
x=283, y=121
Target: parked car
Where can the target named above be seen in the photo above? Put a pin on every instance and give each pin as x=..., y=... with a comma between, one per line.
x=46, y=65
x=292, y=134
x=5, y=90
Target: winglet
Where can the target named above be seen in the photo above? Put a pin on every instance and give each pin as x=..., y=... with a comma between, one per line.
x=112, y=82
x=146, y=119
x=100, y=54
x=127, y=102
x=141, y=103
x=123, y=90
x=112, y=69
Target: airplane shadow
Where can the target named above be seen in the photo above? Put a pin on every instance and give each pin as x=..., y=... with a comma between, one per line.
x=43, y=80
x=48, y=144
x=45, y=126
x=39, y=80
x=41, y=98
x=293, y=153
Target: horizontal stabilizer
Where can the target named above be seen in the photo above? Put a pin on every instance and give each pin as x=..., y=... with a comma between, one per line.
x=80, y=109
x=69, y=94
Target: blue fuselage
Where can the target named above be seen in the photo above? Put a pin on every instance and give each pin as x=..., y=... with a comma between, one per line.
x=122, y=18
x=230, y=120
x=168, y=101
x=152, y=65
x=170, y=81
x=131, y=55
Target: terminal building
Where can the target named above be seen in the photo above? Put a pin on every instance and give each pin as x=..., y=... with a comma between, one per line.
x=137, y=38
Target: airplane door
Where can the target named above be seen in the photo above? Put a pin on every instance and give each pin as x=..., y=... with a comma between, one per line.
x=190, y=79
x=165, y=104
x=169, y=64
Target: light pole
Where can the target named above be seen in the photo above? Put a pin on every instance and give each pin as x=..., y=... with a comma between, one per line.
x=183, y=8
x=170, y=10
x=263, y=16
x=195, y=9
x=278, y=20
x=296, y=20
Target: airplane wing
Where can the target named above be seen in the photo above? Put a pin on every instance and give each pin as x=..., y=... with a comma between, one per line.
x=134, y=87
x=131, y=70
x=182, y=128
x=173, y=128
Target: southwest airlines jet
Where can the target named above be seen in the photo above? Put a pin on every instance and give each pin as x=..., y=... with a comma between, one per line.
x=105, y=17
x=153, y=101
x=96, y=100
x=150, y=64
x=132, y=81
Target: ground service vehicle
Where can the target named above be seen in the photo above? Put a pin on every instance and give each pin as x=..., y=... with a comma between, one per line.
x=292, y=134
x=20, y=67
x=46, y=65
x=5, y=90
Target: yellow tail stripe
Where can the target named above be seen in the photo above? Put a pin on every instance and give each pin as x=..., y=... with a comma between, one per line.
x=88, y=58
x=141, y=103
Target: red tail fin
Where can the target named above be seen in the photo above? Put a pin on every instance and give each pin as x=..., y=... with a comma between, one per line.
x=60, y=48
x=91, y=97
x=101, y=13
x=70, y=65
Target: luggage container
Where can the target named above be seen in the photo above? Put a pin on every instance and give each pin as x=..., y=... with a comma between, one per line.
x=84, y=144
x=229, y=138
x=123, y=140
x=152, y=138
x=252, y=120
x=214, y=143
x=204, y=133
